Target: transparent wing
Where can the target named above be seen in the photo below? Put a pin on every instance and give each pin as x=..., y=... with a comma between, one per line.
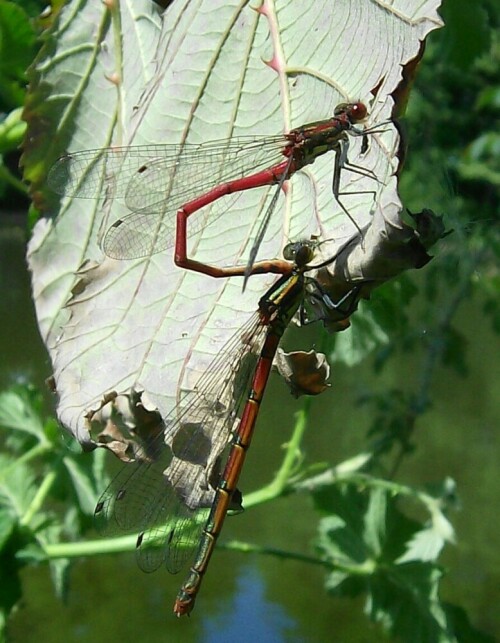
x=165, y=495
x=193, y=170
x=150, y=174
x=142, y=233
x=155, y=181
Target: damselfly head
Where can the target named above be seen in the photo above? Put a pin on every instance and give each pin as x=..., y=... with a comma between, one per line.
x=300, y=252
x=356, y=112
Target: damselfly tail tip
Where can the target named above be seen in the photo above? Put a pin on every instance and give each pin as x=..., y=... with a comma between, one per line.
x=183, y=605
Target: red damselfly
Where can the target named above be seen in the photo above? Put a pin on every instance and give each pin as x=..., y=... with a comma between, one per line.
x=157, y=181
x=177, y=493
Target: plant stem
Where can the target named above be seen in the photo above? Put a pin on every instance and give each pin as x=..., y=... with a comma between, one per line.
x=277, y=487
x=367, y=567
x=91, y=547
x=38, y=499
x=128, y=543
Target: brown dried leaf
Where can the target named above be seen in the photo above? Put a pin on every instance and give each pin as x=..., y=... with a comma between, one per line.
x=304, y=372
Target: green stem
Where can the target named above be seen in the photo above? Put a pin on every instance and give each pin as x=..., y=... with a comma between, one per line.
x=39, y=498
x=367, y=567
x=280, y=483
x=293, y=448
x=91, y=547
x=128, y=543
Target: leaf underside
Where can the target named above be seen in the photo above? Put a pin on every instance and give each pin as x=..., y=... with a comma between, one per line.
x=202, y=71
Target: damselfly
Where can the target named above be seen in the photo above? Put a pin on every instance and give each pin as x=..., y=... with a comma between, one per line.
x=157, y=181
x=177, y=494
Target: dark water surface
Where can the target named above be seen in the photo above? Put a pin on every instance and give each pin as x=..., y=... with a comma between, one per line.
x=248, y=598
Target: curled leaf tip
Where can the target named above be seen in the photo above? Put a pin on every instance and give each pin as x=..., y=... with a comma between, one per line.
x=306, y=373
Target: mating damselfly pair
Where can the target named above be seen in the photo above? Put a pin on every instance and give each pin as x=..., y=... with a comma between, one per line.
x=178, y=492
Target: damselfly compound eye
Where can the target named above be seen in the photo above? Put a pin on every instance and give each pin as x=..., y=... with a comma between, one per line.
x=358, y=112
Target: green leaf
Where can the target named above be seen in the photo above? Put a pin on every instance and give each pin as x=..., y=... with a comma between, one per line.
x=342, y=542
x=356, y=463
x=480, y=161
x=426, y=545
x=86, y=476
x=375, y=524
x=59, y=567
x=34, y=7
x=17, y=46
x=364, y=336
x=489, y=98
x=374, y=548
x=404, y=599
x=387, y=318
x=391, y=422
x=18, y=488
x=7, y=524
x=19, y=411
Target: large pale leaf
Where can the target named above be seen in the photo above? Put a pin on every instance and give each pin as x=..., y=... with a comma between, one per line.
x=204, y=70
